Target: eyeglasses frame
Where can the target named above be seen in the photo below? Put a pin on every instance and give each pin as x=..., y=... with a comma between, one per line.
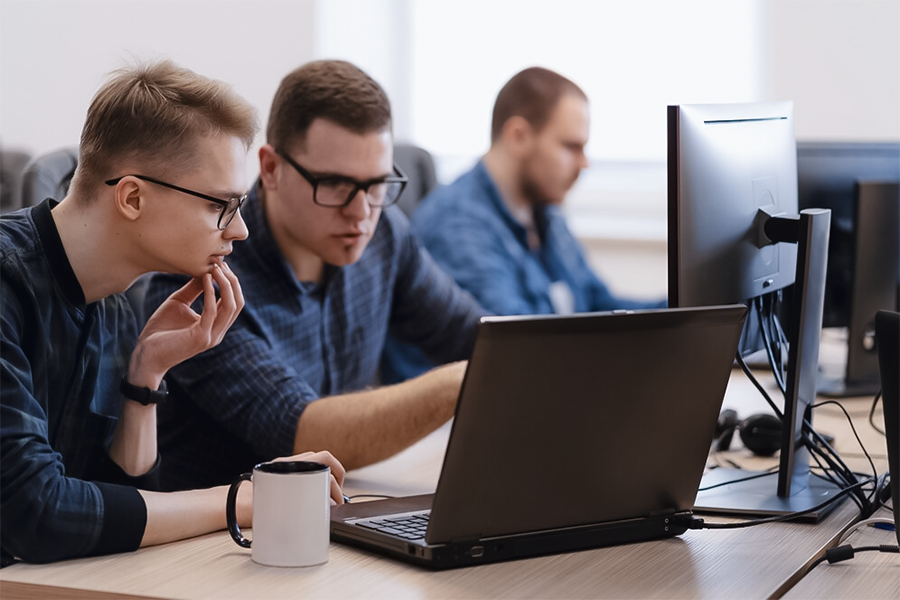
x=401, y=178
x=225, y=204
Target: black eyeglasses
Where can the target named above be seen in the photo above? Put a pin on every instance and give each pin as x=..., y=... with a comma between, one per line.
x=337, y=191
x=230, y=207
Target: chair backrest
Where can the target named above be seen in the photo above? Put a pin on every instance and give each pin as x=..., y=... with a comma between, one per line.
x=48, y=176
x=418, y=165
x=12, y=164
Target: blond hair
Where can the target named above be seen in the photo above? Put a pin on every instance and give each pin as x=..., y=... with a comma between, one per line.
x=155, y=114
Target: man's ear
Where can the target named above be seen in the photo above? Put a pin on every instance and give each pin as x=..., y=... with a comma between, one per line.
x=517, y=135
x=269, y=163
x=128, y=198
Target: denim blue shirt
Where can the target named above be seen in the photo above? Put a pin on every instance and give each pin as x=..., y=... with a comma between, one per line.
x=61, y=363
x=473, y=236
x=238, y=403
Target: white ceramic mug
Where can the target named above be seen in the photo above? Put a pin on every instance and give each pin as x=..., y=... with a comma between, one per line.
x=291, y=513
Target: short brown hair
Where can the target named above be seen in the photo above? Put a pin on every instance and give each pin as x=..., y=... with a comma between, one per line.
x=334, y=90
x=155, y=113
x=531, y=94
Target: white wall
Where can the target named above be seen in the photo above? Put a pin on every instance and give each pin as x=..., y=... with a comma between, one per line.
x=839, y=61
x=442, y=61
x=631, y=57
x=54, y=54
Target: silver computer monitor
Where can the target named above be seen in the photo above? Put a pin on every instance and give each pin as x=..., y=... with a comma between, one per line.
x=735, y=235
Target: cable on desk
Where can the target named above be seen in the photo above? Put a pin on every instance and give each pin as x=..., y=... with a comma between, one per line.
x=820, y=450
x=868, y=505
x=846, y=552
x=860, y=524
x=852, y=428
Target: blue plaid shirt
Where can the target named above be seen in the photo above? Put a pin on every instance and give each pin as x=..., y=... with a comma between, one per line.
x=473, y=236
x=238, y=404
x=60, y=495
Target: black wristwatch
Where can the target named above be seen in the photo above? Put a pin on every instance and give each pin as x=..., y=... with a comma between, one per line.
x=143, y=395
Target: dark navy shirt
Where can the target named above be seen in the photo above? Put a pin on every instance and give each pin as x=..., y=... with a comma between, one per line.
x=60, y=494
x=238, y=404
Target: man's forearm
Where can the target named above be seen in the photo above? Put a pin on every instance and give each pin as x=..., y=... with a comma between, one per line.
x=179, y=515
x=134, y=446
x=366, y=427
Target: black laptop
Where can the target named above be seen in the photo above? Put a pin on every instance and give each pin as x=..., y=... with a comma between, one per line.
x=570, y=432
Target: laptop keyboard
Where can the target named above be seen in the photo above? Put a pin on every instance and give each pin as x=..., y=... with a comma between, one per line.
x=409, y=526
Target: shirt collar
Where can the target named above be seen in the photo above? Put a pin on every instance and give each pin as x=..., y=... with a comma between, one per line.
x=491, y=190
x=56, y=253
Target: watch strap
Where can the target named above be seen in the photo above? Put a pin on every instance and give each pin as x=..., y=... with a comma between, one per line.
x=143, y=395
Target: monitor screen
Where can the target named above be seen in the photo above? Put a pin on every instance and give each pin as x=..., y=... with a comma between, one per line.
x=826, y=176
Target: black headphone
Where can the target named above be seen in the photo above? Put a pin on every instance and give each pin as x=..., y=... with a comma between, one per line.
x=760, y=433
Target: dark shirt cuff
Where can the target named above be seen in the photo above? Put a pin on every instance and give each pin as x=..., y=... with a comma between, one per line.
x=124, y=519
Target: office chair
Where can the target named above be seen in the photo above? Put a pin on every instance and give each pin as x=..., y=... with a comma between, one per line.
x=12, y=164
x=418, y=165
x=48, y=176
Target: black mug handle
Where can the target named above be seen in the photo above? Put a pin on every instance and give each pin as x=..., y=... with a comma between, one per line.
x=231, y=511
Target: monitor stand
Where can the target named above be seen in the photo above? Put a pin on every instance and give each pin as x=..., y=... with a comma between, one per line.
x=759, y=498
x=792, y=488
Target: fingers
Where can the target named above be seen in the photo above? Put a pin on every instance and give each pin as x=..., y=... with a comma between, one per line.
x=337, y=494
x=326, y=458
x=230, y=303
x=189, y=291
x=208, y=315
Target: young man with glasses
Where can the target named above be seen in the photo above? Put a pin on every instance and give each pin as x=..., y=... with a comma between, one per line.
x=328, y=269
x=78, y=447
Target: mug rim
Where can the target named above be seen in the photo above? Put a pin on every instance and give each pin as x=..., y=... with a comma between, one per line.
x=290, y=467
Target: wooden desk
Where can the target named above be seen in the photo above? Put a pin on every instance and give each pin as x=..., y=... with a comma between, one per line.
x=757, y=562
x=870, y=575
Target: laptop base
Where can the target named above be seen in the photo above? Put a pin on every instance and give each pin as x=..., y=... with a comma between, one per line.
x=758, y=497
x=465, y=553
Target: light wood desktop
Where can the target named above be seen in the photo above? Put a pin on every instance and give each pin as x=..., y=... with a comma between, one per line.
x=756, y=562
